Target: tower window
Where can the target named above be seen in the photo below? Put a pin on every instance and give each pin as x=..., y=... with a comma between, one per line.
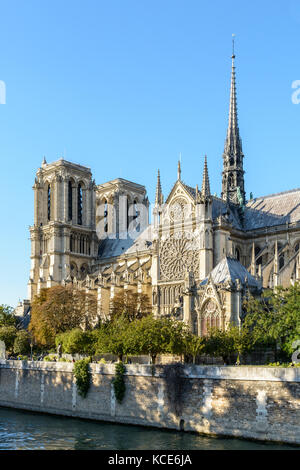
x=127, y=212
x=136, y=214
x=105, y=216
x=70, y=201
x=79, y=198
x=49, y=202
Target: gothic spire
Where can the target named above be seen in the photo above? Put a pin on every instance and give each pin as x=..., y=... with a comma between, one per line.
x=205, y=191
x=233, y=142
x=233, y=173
x=158, y=195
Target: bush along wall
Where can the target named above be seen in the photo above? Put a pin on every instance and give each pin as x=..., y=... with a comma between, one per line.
x=119, y=382
x=82, y=376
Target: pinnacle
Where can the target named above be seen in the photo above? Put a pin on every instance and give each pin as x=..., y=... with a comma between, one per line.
x=205, y=191
x=158, y=194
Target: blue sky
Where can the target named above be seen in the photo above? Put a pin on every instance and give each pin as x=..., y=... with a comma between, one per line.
x=125, y=86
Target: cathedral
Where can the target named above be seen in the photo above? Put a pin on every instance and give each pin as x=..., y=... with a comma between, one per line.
x=197, y=259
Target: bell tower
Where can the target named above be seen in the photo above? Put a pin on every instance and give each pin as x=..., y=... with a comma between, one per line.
x=63, y=234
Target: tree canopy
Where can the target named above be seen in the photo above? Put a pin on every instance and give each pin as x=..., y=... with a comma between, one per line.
x=275, y=318
x=59, y=309
x=7, y=318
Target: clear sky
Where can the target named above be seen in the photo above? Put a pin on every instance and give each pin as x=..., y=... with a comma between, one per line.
x=124, y=86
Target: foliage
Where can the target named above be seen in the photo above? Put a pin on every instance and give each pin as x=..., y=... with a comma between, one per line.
x=6, y=316
x=22, y=342
x=49, y=358
x=82, y=376
x=119, y=382
x=275, y=318
x=8, y=335
x=279, y=364
x=115, y=337
x=22, y=358
x=178, y=338
x=77, y=341
x=194, y=346
x=130, y=305
x=59, y=309
x=234, y=340
x=155, y=336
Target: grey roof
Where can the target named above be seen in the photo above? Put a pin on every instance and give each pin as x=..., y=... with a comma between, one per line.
x=221, y=207
x=275, y=209
x=110, y=248
x=190, y=190
x=230, y=269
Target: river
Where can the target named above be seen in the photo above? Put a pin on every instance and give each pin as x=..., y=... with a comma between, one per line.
x=32, y=431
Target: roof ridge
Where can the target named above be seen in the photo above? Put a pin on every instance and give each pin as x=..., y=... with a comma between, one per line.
x=275, y=194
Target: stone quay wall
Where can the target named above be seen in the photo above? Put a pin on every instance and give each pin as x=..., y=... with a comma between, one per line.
x=251, y=402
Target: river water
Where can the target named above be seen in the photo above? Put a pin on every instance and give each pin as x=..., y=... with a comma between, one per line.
x=32, y=431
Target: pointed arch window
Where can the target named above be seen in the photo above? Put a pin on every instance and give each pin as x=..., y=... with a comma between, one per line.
x=49, y=202
x=79, y=199
x=127, y=212
x=105, y=216
x=135, y=216
x=70, y=201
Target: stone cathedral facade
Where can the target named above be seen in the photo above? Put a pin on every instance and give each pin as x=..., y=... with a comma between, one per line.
x=197, y=259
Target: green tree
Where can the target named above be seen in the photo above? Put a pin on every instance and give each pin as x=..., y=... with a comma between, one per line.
x=115, y=338
x=275, y=318
x=153, y=336
x=21, y=342
x=194, y=346
x=77, y=341
x=178, y=335
x=6, y=316
x=234, y=340
x=8, y=335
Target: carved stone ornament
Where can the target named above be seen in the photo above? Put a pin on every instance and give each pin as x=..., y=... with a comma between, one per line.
x=177, y=209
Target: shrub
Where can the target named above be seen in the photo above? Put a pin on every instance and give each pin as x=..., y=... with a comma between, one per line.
x=22, y=358
x=22, y=342
x=119, y=382
x=49, y=358
x=82, y=376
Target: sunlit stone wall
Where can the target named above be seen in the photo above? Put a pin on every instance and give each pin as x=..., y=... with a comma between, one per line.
x=252, y=402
